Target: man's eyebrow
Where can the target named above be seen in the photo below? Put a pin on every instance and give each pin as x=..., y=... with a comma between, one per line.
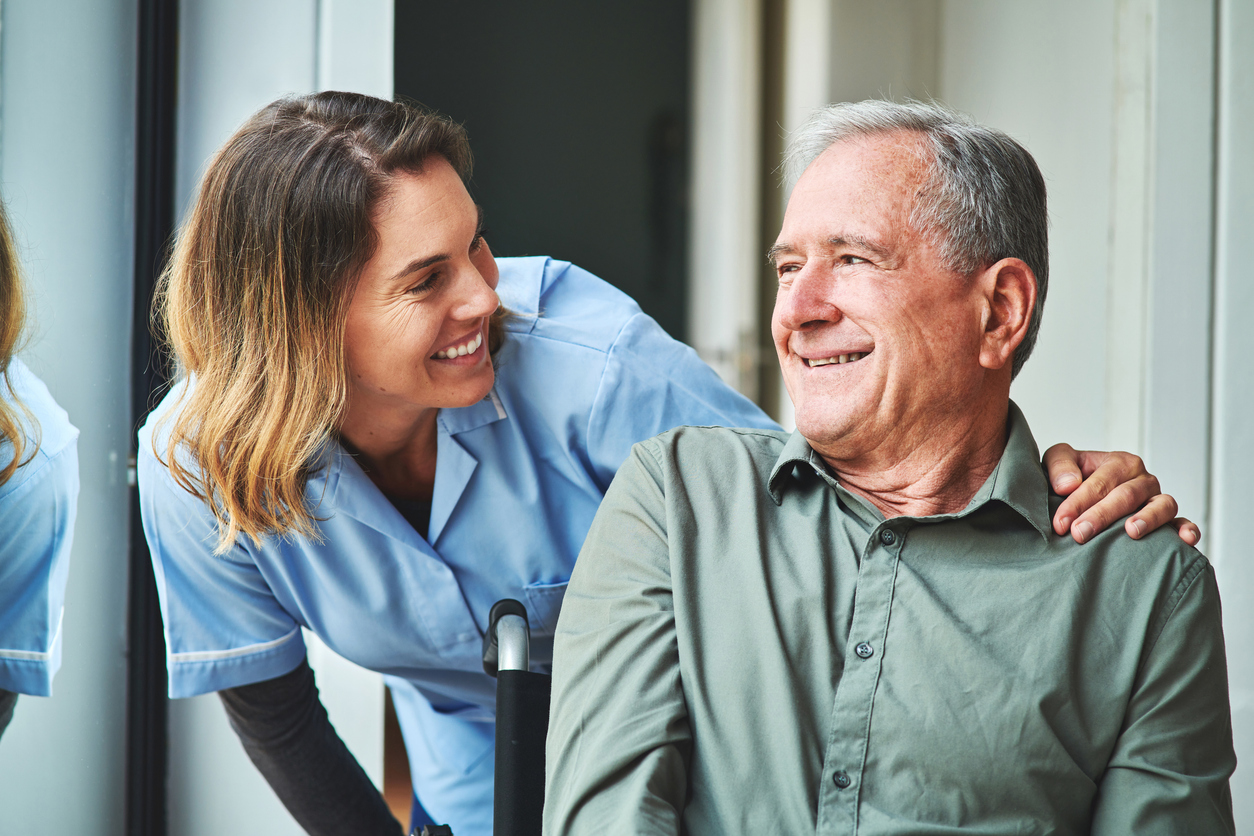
x=842, y=240
x=773, y=254
x=859, y=241
x=423, y=263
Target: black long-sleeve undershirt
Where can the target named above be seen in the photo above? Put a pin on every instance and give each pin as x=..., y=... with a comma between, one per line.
x=8, y=699
x=288, y=736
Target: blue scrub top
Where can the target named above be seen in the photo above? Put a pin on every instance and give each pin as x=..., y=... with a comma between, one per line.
x=582, y=376
x=37, y=507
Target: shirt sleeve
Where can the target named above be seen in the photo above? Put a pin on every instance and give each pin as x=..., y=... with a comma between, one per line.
x=37, y=510
x=653, y=383
x=619, y=737
x=1170, y=768
x=223, y=625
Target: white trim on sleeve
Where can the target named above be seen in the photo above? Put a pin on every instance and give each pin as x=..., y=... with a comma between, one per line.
x=26, y=655
x=214, y=655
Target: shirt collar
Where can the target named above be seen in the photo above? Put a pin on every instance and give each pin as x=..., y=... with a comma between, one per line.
x=336, y=465
x=797, y=453
x=465, y=418
x=1018, y=481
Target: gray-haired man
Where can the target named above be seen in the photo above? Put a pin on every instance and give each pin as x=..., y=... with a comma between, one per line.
x=870, y=627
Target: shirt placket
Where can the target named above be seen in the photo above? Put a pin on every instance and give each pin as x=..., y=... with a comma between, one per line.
x=845, y=757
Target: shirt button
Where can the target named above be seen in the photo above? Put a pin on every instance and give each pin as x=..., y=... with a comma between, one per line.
x=864, y=650
x=887, y=537
x=841, y=780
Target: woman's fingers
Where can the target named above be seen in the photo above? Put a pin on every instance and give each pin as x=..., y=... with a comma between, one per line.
x=1062, y=463
x=1188, y=530
x=1102, y=487
x=1160, y=510
x=1116, y=485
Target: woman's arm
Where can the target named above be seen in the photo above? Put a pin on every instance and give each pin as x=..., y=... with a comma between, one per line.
x=286, y=733
x=8, y=699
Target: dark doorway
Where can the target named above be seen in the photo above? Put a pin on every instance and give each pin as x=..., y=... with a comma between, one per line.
x=578, y=117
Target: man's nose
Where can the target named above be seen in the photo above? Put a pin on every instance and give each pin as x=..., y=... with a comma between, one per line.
x=808, y=300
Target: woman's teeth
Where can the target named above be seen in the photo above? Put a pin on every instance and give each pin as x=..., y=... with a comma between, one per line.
x=461, y=350
x=839, y=359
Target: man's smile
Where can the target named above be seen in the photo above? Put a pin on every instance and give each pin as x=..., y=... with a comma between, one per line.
x=837, y=359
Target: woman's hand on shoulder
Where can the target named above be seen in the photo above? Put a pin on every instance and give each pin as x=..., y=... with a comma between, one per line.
x=1102, y=487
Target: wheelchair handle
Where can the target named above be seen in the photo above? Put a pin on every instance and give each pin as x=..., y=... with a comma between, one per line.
x=507, y=642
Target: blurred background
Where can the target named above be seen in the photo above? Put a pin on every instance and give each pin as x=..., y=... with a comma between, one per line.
x=641, y=140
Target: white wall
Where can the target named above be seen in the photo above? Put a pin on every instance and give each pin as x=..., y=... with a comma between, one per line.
x=723, y=251
x=355, y=45
x=67, y=131
x=1232, y=442
x=1048, y=81
x=1181, y=269
x=235, y=57
x=886, y=49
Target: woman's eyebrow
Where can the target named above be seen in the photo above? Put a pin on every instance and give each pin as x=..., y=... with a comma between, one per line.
x=416, y=265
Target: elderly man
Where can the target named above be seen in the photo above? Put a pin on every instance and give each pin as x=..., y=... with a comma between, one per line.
x=870, y=627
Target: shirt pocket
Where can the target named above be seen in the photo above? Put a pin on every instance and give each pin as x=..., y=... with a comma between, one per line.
x=544, y=602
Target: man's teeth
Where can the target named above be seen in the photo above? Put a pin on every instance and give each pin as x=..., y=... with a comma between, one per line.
x=839, y=359
x=461, y=350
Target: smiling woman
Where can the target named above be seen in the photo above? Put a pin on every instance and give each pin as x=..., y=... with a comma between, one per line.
x=283, y=222
x=362, y=443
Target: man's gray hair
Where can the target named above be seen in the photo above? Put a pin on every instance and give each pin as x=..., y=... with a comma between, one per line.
x=984, y=199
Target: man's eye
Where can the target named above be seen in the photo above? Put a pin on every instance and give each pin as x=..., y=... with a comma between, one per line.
x=854, y=259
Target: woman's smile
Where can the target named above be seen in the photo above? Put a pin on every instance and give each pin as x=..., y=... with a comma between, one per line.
x=464, y=351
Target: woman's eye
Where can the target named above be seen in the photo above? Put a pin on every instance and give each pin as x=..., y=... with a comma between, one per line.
x=424, y=286
x=477, y=244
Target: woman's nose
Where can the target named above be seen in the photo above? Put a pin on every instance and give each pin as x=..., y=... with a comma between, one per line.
x=476, y=297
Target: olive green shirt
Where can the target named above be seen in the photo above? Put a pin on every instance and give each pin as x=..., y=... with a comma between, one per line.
x=746, y=647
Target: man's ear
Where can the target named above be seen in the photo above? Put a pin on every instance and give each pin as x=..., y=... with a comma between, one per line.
x=1010, y=293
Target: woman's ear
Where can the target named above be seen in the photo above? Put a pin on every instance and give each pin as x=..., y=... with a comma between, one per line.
x=1010, y=293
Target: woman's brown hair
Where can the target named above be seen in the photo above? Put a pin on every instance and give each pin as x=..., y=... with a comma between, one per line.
x=254, y=301
x=12, y=325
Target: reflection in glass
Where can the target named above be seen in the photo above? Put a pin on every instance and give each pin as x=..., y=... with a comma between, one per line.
x=38, y=498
